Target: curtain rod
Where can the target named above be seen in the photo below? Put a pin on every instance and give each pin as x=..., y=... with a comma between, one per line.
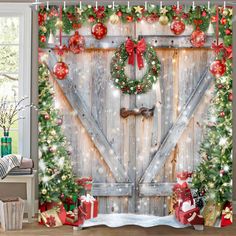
x=131, y=2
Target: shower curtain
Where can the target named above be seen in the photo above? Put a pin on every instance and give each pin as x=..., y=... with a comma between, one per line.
x=135, y=115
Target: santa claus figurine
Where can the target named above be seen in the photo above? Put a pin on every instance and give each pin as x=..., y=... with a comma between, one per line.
x=185, y=208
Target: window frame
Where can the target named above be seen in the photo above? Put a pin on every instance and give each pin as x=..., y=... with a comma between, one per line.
x=24, y=12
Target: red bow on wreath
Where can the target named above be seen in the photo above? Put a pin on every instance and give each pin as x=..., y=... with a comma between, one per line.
x=139, y=47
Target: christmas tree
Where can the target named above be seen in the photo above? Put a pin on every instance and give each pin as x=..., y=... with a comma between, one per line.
x=213, y=177
x=56, y=179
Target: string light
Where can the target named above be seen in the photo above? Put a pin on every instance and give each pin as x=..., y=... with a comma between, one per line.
x=113, y=5
x=96, y=5
x=160, y=4
x=128, y=5
x=145, y=5
x=193, y=5
x=80, y=5
x=224, y=4
x=177, y=5
x=64, y=5
x=209, y=5
x=47, y=5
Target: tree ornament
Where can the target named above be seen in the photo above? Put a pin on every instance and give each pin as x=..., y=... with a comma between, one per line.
x=59, y=121
x=225, y=12
x=114, y=19
x=76, y=43
x=163, y=20
x=59, y=24
x=42, y=38
x=99, y=31
x=63, y=177
x=223, y=21
x=119, y=13
x=60, y=70
x=230, y=97
x=210, y=30
x=46, y=116
x=163, y=10
x=218, y=68
x=220, y=86
x=129, y=19
x=91, y=19
x=51, y=39
x=198, y=38
x=152, y=18
x=43, y=29
x=41, y=18
x=228, y=32
x=130, y=50
x=53, y=12
x=44, y=191
x=222, y=114
x=138, y=9
x=177, y=27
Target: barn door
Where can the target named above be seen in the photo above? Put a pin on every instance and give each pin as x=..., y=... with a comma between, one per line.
x=132, y=160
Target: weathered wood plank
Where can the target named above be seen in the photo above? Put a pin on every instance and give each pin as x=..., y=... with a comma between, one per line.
x=112, y=189
x=155, y=189
x=177, y=129
x=92, y=127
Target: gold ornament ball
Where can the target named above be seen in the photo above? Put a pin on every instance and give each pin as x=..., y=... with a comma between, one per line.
x=43, y=28
x=163, y=20
x=63, y=177
x=44, y=191
x=59, y=24
x=114, y=19
x=225, y=12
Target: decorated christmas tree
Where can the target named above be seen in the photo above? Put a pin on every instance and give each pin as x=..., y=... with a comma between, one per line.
x=213, y=177
x=56, y=179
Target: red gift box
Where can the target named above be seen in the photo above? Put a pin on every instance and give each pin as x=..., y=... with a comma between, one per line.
x=51, y=205
x=227, y=215
x=76, y=217
x=183, y=217
x=90, y=206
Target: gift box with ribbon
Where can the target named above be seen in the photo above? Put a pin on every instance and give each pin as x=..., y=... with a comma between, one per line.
x=227, y=215
x=51, y=218
x=90, y=206
x=75, y=217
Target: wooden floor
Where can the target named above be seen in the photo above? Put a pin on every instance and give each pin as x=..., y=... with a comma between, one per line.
x=38, y=230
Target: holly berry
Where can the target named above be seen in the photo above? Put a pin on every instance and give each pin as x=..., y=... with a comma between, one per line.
x=220, y=86
x=47, y=116
x=230, y=97
x=222, y=172
x=42, y=38
x=129, y=19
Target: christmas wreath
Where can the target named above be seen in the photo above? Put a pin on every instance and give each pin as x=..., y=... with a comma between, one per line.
x=127, y=51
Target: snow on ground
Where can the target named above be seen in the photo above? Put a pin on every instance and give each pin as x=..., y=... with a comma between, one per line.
x=117, y=220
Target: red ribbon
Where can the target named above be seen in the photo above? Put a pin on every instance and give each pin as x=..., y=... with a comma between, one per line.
x=217, y=47
x=61, y=49
x=139, y=48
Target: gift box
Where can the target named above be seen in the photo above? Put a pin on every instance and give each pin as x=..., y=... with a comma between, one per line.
x=227, y=215
x=90, y=206
x=75, y=217
x=86, y=183
x=185, y=195
x=51, y=218
x=183, y=217
x=58, y=206
x=211, y=212
x=71, y=203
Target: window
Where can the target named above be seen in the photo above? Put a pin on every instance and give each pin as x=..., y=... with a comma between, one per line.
x=15, y=67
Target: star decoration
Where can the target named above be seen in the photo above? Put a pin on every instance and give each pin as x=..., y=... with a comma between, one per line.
x=230, y=11
x=138, y=9
x=79, y=11
x=164, y=10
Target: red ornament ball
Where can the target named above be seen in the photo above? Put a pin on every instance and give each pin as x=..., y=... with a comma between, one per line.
x=119, y=13
x=204, y=13
x=177, y=27
x=59, y=121
x=99, y=31
x=213, y=19
x=42, y=38
x=152, y=18
x=223, y=21
x=228, y=31
x=60, y=70
x=47, y=116
x=230, y=97
x=198, y=38
x=76, y=43
x=41, y=18
x=217, y=68
x=220, y=86
x=222, y=114
x=129, y=19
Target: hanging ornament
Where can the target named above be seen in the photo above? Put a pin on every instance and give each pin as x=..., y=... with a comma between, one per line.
x=163, y=20
x=225, y=12
x=51, y=39
x=99, y=31
x=222, y=114
x=152, y=18
x=218, y=68
x=138, y=9
x=46, y=116
x=42, y=38
x=177, y=27
x=59, y=23
x=230, y=97
x=76, y=43
x=129, y=19
x=114, y=19
x=53, y=12
x=210, y=30
x=60, y=70
x=43, y=29
x=41, y=18
x=198, y=37
x=119, y=13
x=223, y=21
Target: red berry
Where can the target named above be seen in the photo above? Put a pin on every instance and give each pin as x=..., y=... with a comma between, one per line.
x=222, y=114
x=43, y=38
x=220, y=86
x=119, y=13
x=223, y=21
x=230, y=97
